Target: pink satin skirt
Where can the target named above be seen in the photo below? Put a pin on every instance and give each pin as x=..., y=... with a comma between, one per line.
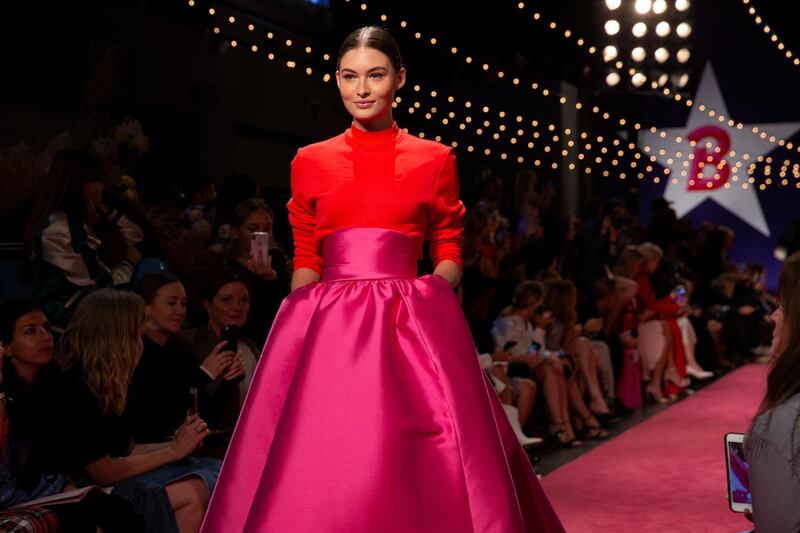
x=369, y=412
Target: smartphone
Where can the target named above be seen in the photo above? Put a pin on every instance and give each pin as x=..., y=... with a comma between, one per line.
x=259, y=247
x=230, y=334
x=510, y=344
x=679, y=294
x=739, y=498
x=534, y=348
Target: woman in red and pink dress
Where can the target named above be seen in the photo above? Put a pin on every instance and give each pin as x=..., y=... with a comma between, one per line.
x=368, y=410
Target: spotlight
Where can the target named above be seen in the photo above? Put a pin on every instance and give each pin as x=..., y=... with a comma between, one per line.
x=661, y=54
x=662, y=28
x=681, y=5
x=683, y=30
x=640, y=29
x=638, y=54
x=683, y=55
x=642, y=6
x=659, y=77
x=638, y=79
x=609, y=53
x=612, y=78
x=612, y=27
x=613, y=4
x=659, y=6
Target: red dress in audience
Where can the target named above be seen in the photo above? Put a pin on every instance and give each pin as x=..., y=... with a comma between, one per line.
x=667, y=310
x=369, y=410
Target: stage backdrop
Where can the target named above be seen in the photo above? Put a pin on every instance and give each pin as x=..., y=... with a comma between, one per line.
x=710, y=180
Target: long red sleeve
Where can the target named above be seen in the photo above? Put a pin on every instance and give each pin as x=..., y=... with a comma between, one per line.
x=445, y=225
x=385, y=179
x=303, y=219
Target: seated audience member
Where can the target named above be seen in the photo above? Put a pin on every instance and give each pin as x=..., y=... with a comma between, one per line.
x=516, y=394
x=682, y=295
x=29, y=377
x=74, y=244
x=514, y=324
x=169, y=381
x=772, y=445
x=226, y=300
x=565, y=333
x=268, y=278
x=99, y=352
x=659, y=337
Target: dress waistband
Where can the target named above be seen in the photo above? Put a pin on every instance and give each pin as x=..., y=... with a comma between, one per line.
x=369, y=253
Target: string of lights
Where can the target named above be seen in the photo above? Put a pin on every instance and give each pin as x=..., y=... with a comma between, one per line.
x=562, y=100
x=620, y=148
x=773, y=37
x=712, y=113
x=500, y=127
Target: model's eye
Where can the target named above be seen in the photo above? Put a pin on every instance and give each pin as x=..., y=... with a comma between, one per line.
x=376, y=75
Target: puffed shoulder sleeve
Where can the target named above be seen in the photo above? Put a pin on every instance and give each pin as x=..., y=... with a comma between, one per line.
x=445, y=223
x=303, y=219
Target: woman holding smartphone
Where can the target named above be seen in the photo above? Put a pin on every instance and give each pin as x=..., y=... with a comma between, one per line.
x=169, y=380
x=772, y=446
x=255, y=258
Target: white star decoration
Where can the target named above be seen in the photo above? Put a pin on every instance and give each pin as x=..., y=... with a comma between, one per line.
x=742, y=202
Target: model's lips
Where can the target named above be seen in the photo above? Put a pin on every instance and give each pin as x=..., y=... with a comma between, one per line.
x=363, y=104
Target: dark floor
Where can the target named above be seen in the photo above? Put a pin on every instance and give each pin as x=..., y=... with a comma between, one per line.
x=550, y=457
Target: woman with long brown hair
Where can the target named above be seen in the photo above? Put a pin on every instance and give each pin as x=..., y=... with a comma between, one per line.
x=563, y=334
x=772, y=446
x=99, y=353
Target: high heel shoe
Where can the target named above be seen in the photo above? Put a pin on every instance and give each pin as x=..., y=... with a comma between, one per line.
x=593, y=431
x=655, y=393
x=671, y=375
x=698, y=373
x=558, y=437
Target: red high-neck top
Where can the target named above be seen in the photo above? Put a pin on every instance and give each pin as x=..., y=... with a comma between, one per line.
x=385, y=179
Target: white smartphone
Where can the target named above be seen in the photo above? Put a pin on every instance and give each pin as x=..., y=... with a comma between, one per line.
x=259, y=247
x=739, y=499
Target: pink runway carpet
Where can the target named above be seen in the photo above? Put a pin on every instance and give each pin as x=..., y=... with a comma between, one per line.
x=665, y=474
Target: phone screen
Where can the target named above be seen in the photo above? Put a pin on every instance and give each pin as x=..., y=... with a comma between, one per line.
x=738, y=475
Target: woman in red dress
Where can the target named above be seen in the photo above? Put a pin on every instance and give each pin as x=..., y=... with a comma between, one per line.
x=368, y=410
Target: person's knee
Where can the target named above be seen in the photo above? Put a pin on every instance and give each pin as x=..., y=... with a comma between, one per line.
x=527, y=385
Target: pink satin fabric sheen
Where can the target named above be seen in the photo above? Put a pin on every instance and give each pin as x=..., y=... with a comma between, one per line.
x=369, y=412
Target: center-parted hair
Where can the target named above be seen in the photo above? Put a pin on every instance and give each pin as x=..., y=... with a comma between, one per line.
x=372, y=37
x=104, y=338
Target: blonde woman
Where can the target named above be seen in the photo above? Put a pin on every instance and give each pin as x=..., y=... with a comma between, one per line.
x=99, y=353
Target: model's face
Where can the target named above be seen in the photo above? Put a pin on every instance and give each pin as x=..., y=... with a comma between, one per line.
x=367, y=82
x=168, y=309
x=257, y=221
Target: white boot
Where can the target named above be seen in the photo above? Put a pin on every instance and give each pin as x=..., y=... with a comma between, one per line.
x=513, y=417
